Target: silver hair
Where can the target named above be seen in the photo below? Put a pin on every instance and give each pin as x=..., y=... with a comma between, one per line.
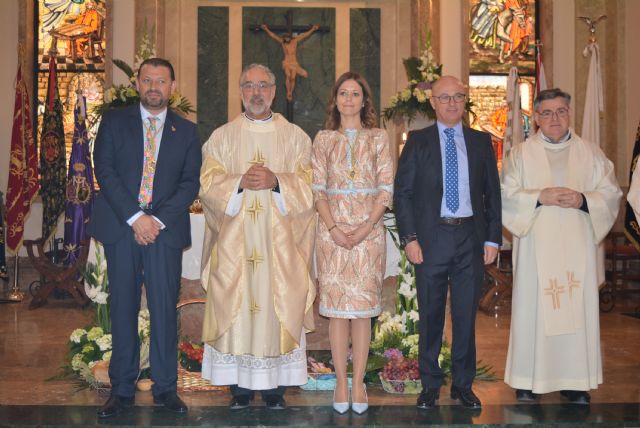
x=550, y=94
x=272, y=77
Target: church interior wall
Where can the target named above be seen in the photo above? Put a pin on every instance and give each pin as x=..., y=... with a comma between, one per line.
x=631, y=106
x=180, y=41
x=176, y=38
x=9, y=34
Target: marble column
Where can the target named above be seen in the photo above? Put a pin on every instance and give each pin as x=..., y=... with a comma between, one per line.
x=425, y=15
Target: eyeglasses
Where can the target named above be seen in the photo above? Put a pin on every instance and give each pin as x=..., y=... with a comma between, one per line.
x=445, y=98
x=548, y=114
x=249, y=86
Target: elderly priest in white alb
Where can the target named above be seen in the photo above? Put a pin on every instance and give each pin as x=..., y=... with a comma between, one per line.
x=560, y=198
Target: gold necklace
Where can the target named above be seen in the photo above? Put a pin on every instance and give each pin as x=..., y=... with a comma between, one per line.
x=353, y=172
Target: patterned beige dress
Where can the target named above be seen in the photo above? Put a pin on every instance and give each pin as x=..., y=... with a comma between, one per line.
x=352, y=171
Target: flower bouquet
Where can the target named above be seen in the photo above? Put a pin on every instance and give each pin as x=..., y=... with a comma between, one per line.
x=414, y=99
x=90, y=348
x=190, y=356
x=90, y=353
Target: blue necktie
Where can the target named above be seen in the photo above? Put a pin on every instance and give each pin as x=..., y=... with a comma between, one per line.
x=451, y=172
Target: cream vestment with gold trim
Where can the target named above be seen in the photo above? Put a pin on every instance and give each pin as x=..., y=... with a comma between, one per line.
x=256, y=259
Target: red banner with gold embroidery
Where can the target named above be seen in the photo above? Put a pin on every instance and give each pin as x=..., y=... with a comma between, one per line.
x=23, y=168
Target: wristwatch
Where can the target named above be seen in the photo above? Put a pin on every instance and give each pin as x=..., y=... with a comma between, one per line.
x=404, y=240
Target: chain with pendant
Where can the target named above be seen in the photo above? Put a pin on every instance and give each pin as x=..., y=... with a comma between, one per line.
x=353, y=172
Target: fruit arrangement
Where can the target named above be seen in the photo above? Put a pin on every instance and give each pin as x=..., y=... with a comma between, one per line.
x=401, y=369
x=400, y=375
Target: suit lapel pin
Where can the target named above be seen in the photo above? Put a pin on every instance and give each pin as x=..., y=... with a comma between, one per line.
x=173, y=128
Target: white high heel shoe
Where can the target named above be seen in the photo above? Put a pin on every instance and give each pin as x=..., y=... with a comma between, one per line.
x=360, y=408
x=340, y=407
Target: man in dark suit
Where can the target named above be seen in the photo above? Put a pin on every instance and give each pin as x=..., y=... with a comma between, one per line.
x=448, y=211
x=147, y=162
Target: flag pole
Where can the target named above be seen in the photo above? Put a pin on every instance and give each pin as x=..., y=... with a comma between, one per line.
x=15, y=295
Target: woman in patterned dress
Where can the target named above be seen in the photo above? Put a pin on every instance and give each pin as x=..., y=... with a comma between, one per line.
x=352, y=186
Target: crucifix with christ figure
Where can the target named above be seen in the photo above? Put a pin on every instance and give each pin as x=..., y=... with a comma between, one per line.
x=289, y=43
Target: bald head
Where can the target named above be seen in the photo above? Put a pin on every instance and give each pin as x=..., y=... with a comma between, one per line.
x=448, y=100
x=451, y=81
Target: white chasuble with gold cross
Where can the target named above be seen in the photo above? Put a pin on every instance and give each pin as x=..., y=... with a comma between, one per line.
x=555, y=334
x=256, y=256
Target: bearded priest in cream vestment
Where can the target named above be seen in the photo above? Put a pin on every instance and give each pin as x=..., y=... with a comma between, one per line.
x=560, y=198
x=256, y=194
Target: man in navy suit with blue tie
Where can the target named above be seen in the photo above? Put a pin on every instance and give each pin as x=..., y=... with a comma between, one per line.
x=147, y=162
x=448, y=211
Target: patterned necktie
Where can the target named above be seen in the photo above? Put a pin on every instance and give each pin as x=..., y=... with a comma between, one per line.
x=451, y=172
x=149, y=166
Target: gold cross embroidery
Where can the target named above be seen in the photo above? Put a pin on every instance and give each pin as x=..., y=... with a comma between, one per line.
x=255, y=209
x=554, y=291
x=258, y=158
x=254, y=308
x=572, y=283
x=255, y=259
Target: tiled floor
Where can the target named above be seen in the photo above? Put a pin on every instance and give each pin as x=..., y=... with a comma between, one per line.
x=33, y=349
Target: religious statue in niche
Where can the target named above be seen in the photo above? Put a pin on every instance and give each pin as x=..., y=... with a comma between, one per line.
x=290, y=64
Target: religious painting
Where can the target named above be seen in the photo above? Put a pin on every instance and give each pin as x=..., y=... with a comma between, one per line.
x=489, y=96
x=501, y=33
x=73, y=31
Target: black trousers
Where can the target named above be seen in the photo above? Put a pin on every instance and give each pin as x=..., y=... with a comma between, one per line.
x=159, y=268
x=453, y=256
x=238, y=391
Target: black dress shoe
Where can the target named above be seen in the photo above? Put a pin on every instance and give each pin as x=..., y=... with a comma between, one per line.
x=577, y=397
x=428, y=398
x=526, y=395
x=114, y=405
x=170, y=401
x=466, y=396
x=275, y=402
x=239, y=402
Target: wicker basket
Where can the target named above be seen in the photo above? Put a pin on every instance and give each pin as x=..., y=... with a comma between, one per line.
x=193, y=381
x=401, y=386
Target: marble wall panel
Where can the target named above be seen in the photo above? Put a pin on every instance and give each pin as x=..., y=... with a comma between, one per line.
x=365, y=48
x=213, y=66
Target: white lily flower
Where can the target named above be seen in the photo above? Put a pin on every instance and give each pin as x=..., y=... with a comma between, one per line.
x=404, y=289
x=101, y=298
x=90, y=291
